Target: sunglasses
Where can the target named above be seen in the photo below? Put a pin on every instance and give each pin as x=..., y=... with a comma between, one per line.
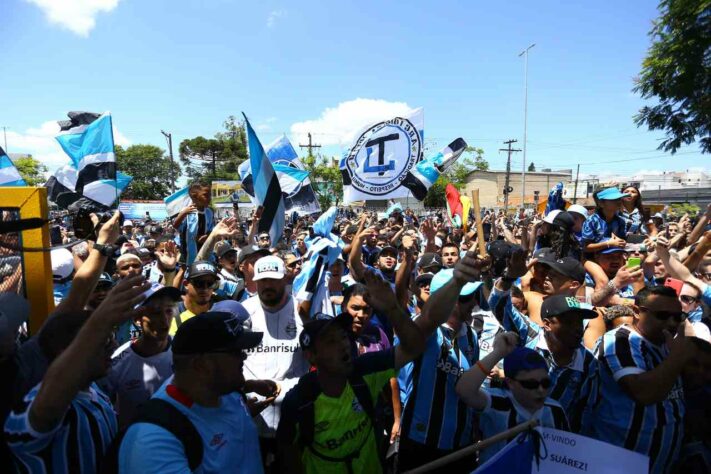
x=534, y=384
x=204, y=284
x=293, y=264
x=665, y=315
x=688, y=299
x=265, y=238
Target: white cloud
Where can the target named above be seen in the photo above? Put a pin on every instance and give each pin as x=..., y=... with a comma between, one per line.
x=265, y=125
x=274, y=15
x=78, y=16
x=338, y=125
x=41, y=144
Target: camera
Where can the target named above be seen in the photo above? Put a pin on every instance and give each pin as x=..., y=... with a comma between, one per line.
x=84, y=227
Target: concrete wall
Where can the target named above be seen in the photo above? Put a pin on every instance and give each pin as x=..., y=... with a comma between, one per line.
x=491, y=186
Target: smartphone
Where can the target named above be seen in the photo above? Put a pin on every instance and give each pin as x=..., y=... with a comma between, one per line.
x=675, y=284
x=633, y=262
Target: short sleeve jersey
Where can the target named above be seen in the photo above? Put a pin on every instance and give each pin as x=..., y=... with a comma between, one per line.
x=341, y=426
x=228, y=435
x=655, y=430
x=595, y=228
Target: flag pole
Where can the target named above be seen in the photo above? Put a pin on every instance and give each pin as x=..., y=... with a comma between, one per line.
x=479, y=225
x=470, y=450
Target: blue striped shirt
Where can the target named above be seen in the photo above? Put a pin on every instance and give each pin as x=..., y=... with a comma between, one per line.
x=75, y=445
x=576, y=385
x=595, y=228
x=433, y=413
x=655, y=430
x=503, y=412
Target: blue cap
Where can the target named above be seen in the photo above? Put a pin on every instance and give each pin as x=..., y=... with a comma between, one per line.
x=443, y=276
x=610, y=249
x=610, y=194
x=233, y=307
x=523, y=358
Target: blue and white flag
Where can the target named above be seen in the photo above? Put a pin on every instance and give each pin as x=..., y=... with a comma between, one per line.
x=60, y=186
x=176, y=201
x=515, y=458
x=555, y=199
x=381, y=157
x=88, y=139
x=300, y=196
x=266, y=187
x=9, y=176
x=426, y=172
x=312, y=283
x=107, y=191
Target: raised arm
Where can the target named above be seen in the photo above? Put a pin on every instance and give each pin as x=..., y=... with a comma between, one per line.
x=255, y=225
x=87, y=276
x=355, y=258
x=675, y=268
x=75, y=368
x=402, y=277
x=469, y=384
x=226, y=228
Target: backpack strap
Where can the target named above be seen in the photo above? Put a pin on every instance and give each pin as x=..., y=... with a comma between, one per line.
x=167, y=416
x=308, y=391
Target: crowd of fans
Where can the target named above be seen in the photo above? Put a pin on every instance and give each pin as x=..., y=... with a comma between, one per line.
x=187, y=345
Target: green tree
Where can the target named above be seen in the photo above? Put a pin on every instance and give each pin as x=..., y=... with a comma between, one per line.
x=31, y=170
x=471, y=160
x=325, y=179
x=677, y=72
x=150, y=169
x=532, y=167
x=215, y=158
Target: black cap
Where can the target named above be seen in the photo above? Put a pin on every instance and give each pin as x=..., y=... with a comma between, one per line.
x=424, y=278
x=222, y=250
x=544, y=254
x=388, y=248
x=201, y=268
x=319, y=324
x=252, y=250
x=564, y=219
x=567, y=266
x=213, y=332
x=105, y=279
x=558, y=304
x=430, y=259
x=500, y=249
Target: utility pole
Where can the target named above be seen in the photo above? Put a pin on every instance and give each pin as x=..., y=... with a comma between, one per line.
x=575, y=193
x=4, y=132
x=525, y=124
x=310, y=146
x=507, y=188
x=169, y=137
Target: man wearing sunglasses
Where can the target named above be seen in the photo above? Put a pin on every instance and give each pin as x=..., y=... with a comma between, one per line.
x=207, y=389
x=642, y=400
x=264, y=241
x=525, y=396
x=200, y=283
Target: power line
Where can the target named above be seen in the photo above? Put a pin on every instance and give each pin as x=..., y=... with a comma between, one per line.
x=507, y=188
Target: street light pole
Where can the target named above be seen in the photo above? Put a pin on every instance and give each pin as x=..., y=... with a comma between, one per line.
x=525, y=124
x=169, y=138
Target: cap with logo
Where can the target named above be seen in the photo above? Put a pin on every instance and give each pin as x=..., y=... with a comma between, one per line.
x=200, y=268
x=567, y=266
x=214, y=331
x=156, y=291
x=224, y=249
x=428, y=260
x=252, y=250
x=320, y=322
x=610, y=194
x=560, y=219
x=523, y=358
x=557, y=305
x=270, y=267
x=105, y=280
x=443, y=276
x=544, y=254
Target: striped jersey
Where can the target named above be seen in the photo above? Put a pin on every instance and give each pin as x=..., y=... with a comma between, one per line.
x=655, y=430
x=433, y=413
x=195, y=225
x=75, y=445
x=503, y=412
x=576, y=385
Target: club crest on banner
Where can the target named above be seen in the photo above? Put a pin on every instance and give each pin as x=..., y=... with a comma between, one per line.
x=382, y=155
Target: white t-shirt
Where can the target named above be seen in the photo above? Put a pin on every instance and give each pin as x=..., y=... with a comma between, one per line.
x=133, y=379
x=278, y=357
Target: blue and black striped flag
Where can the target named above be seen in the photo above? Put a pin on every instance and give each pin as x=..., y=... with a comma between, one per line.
x=267, y=190
x=9, y=176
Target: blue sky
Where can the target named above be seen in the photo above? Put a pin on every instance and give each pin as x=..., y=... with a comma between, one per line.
x=184, y=66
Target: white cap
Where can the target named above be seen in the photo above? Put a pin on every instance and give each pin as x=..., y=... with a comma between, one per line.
x=578, y=209
x=551, y=215
x=127, y=223
x=269, y=267
x=62, y=263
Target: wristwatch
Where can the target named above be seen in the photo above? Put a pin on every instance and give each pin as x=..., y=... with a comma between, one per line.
x=105, y=250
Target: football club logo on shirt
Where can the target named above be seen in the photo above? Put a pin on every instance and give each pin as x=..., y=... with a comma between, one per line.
x=291, y=329
x=356, y=406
